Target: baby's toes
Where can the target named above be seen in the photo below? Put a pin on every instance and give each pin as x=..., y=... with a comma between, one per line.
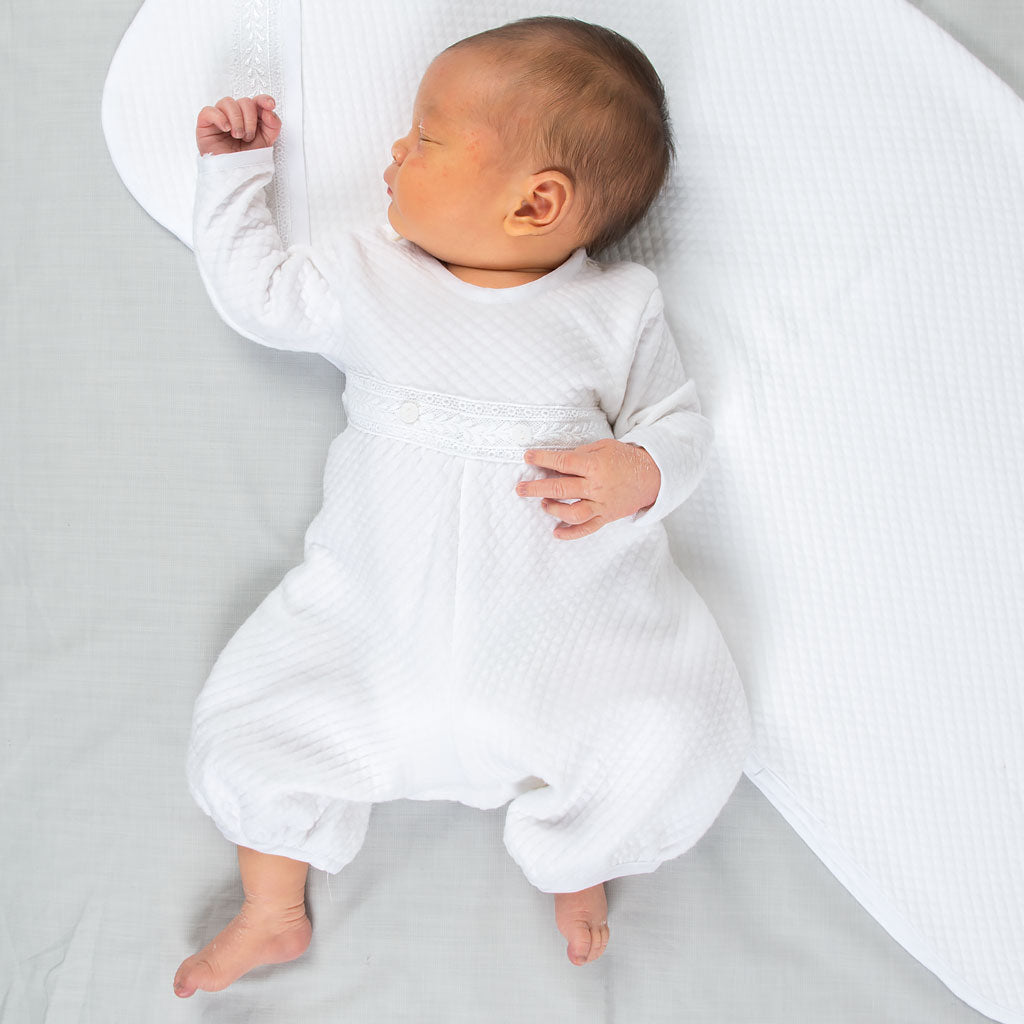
x=194, y=974
x=581, y=942
x=599, y=940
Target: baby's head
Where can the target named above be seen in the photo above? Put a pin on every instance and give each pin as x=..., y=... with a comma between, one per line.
x=528, y=141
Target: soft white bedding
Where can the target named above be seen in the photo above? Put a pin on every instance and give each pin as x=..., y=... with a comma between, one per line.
x=159, y=472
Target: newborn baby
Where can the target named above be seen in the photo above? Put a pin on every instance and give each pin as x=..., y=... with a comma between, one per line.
x=505, y=393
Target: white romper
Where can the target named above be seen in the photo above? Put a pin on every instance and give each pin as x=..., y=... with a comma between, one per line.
x=437, y=641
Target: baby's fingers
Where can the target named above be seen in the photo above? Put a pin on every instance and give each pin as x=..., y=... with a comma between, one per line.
x=250, y=118
x=212, y=117
x=232, y=110
x=213, y=132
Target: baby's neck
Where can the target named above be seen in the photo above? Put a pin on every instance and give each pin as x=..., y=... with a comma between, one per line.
x=495, y=278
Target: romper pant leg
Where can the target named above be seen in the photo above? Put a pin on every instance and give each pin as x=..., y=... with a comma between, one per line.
x=642, y=792
x=289, y=748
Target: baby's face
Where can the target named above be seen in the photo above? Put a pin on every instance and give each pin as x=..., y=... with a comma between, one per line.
x=449, y=187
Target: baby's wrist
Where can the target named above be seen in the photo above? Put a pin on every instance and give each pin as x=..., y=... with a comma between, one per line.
x=648, y=479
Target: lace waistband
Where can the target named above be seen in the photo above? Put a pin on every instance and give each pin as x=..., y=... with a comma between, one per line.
x=499, y=431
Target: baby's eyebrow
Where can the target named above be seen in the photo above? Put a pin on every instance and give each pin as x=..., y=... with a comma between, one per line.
x=430, y=113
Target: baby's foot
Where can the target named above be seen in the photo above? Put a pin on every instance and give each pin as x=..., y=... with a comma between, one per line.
x=256, y=936
x=582, y=917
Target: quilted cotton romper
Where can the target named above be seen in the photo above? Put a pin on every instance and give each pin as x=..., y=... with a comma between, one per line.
x=437, y=641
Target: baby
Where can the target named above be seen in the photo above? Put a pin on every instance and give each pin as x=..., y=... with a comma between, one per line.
x=439, y=640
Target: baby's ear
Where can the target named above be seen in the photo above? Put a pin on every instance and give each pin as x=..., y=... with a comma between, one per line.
x=545, y=203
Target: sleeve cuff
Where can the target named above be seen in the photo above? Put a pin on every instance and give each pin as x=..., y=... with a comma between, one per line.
x=681, y=457
x=262, y=157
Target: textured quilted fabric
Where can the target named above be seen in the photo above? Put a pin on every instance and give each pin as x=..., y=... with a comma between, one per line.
x=841, y=255
x=438, y=641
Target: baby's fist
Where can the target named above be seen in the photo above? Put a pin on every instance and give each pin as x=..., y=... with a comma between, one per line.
x=233, y=125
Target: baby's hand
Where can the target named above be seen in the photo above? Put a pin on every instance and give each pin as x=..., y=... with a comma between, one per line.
x=233, y=125
x=612, y=479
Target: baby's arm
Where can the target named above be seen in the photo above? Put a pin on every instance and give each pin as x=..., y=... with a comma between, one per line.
x=655, y=458
x=661, y=413
x=276, y=296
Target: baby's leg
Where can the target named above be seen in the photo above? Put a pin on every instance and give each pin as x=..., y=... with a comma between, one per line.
x=271, y=928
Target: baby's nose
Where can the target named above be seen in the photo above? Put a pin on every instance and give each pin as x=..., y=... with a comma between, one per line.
x=398, y=151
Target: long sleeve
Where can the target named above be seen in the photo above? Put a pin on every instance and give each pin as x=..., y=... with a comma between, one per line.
x=660, y=412
x=278, y=297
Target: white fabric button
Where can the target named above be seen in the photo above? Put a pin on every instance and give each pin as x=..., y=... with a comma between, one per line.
x=522, y=434
x=408, y=412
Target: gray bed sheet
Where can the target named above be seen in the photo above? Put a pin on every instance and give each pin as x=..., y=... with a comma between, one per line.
x=157, y=473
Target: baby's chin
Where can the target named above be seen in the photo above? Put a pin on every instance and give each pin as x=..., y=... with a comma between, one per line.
x=395, y=220
x=401, y=229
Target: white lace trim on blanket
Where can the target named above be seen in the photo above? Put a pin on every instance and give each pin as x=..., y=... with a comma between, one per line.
x=258, y=68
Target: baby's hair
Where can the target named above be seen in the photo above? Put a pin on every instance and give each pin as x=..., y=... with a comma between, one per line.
x=598, y=115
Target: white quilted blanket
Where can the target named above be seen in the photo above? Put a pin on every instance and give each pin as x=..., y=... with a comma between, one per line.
x=842, y=252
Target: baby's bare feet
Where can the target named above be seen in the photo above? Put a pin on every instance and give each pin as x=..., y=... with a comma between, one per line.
x=582, y=917
x=256, y=936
